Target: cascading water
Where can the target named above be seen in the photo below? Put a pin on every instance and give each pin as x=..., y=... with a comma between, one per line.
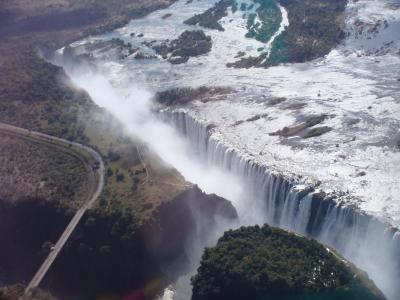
x=352, y=87
x=283, y=202
x=271, y=197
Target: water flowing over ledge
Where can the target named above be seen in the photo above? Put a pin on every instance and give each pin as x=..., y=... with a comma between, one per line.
x=348, y=86
x=285, y=202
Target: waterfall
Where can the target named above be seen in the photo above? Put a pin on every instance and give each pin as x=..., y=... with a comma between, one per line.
x=284, y=202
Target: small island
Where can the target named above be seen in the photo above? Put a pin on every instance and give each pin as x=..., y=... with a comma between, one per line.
x=270, y=264
x=188, y=44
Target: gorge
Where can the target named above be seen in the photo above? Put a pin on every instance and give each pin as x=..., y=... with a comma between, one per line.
x=313, y=187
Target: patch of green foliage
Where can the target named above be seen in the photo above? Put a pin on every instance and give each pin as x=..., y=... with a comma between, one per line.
x=270, y=17
x=234, y=6
x=278, y=50
x=41, y=98
x=269, y=263
x=315, y=28
x=113, y=155
x=109, y=246
x=250, y=21
x=209, y=18
x=119, y=177
x=64, y=174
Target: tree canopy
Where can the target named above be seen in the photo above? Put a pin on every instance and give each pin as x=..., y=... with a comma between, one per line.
x=269, y=263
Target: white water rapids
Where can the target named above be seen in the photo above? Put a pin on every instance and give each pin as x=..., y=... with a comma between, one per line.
x=260, y=175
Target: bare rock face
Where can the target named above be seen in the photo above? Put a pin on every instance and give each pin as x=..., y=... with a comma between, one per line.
x=301, y=128
x=188, y=44
x=187, y=213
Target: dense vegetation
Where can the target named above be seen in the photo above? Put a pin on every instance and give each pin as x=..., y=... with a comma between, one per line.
x=270, y=16
x=268, y=13
x=268, y=263
x=210, y=18
x=315, y=28
x=188, y=44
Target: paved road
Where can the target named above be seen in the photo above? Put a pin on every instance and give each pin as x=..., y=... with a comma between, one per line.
x=97, y=183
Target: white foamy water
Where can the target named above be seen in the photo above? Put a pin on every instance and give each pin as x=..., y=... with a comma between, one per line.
x=357, y=85
x=345, y=84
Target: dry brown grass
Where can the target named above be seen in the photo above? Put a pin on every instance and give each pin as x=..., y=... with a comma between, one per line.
x=32, y=170
x=148, y=182
x=36, y=95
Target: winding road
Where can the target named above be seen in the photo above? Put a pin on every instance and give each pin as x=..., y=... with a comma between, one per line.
x=94, y=164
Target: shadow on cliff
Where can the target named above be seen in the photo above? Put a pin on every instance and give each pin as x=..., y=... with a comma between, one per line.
x=109, y=254
x=24, y=228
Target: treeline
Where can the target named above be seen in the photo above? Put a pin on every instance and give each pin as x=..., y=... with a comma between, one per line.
x=269, y=263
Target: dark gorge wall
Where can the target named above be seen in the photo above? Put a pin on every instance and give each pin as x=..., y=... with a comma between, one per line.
x=111, y=254
x=25, y=226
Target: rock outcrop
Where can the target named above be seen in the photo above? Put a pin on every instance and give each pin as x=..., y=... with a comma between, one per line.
x=188, y=44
